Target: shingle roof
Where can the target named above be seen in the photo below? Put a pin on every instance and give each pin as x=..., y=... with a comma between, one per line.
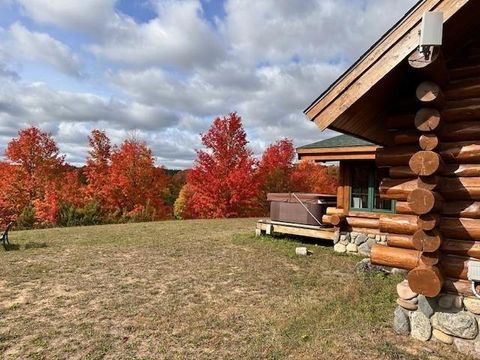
x=337, y=141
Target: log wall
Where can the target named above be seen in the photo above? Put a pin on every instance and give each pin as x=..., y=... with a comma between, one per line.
x=434, y=175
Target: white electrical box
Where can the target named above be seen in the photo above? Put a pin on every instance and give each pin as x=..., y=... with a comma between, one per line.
x=432, y=29
x=473, y=270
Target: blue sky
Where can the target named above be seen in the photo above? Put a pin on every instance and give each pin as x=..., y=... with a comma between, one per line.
x=163, y=69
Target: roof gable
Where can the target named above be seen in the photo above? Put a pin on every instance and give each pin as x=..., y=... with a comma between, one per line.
x=374, y=67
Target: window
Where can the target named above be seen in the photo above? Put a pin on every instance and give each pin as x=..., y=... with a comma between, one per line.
x=364, y=195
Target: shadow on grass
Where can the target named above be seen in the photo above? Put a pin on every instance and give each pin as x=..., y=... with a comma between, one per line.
x=35, y=245
x=11, y=247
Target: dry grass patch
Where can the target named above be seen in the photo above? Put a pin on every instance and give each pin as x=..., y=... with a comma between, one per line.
x=191, y=289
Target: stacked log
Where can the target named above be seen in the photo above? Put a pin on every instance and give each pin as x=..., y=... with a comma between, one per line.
x=417, y=163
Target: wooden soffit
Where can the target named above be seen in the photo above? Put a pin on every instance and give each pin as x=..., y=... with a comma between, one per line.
x=338, y=153
x=371, y=69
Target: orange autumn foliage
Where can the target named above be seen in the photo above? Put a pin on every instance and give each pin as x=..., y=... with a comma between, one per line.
x=312, y=178
x=222, y=181
x=135, y=184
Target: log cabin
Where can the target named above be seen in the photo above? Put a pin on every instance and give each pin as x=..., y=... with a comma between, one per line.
x=418, y=111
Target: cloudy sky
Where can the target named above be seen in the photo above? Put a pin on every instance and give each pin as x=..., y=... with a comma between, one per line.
x=163, y=69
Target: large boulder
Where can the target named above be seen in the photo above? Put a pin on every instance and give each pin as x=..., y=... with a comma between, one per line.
x=401, y=321
x=461, y=324
x=421, y=327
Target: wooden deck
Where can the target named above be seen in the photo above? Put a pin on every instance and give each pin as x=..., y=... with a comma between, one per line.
x=273, y=227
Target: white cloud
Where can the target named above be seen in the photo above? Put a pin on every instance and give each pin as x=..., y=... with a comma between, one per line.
x=177, y=37
x=81, y=15
x=314, y=30
x=29, y=45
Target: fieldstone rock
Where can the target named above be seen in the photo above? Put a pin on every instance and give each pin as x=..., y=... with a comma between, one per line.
x=407, y=304
x=397, y=271
x=377, y=238
x=344, y=240
x=302, y=251
x=442, y=337
x=420, y=325
x=465, y=347
x=360, y=239
x=340, y=248
x=336, y=237
x=352, y=248
x=365, y=266
x=366, y=247
x=404, y=292
x=472, y=305
x=401, y=321
x=354, y=234
x=447, y=301
x=461, y=324
x=426, y=305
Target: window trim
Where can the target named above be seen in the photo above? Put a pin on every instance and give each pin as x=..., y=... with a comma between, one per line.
x=370, y=193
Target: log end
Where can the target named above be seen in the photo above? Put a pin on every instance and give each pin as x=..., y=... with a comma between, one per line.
x=425, y=163
x=425, y=280
x=422, y=201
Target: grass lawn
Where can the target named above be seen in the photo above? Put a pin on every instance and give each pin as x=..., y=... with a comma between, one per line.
x=190, y=290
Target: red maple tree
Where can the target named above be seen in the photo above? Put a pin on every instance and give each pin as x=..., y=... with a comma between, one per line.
x=274, y=171
x=97, y=167
x=135, y=184
x=313, y=178
x=222, y=181
x=36, y=166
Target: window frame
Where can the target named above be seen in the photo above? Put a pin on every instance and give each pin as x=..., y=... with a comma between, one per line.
x=370, y=193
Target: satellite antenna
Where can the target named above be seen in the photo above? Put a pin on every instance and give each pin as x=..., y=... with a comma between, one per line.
x=431, y=32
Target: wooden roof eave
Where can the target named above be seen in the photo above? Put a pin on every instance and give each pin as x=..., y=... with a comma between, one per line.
x=388, y=53
x=339, y=153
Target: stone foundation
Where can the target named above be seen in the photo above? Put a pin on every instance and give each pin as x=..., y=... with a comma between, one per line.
x=357, y=243
x=450, y=319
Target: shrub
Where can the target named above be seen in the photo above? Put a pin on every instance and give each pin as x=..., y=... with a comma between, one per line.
x=26, y=219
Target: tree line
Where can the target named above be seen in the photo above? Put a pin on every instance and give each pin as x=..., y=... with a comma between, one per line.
x=38, y=188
